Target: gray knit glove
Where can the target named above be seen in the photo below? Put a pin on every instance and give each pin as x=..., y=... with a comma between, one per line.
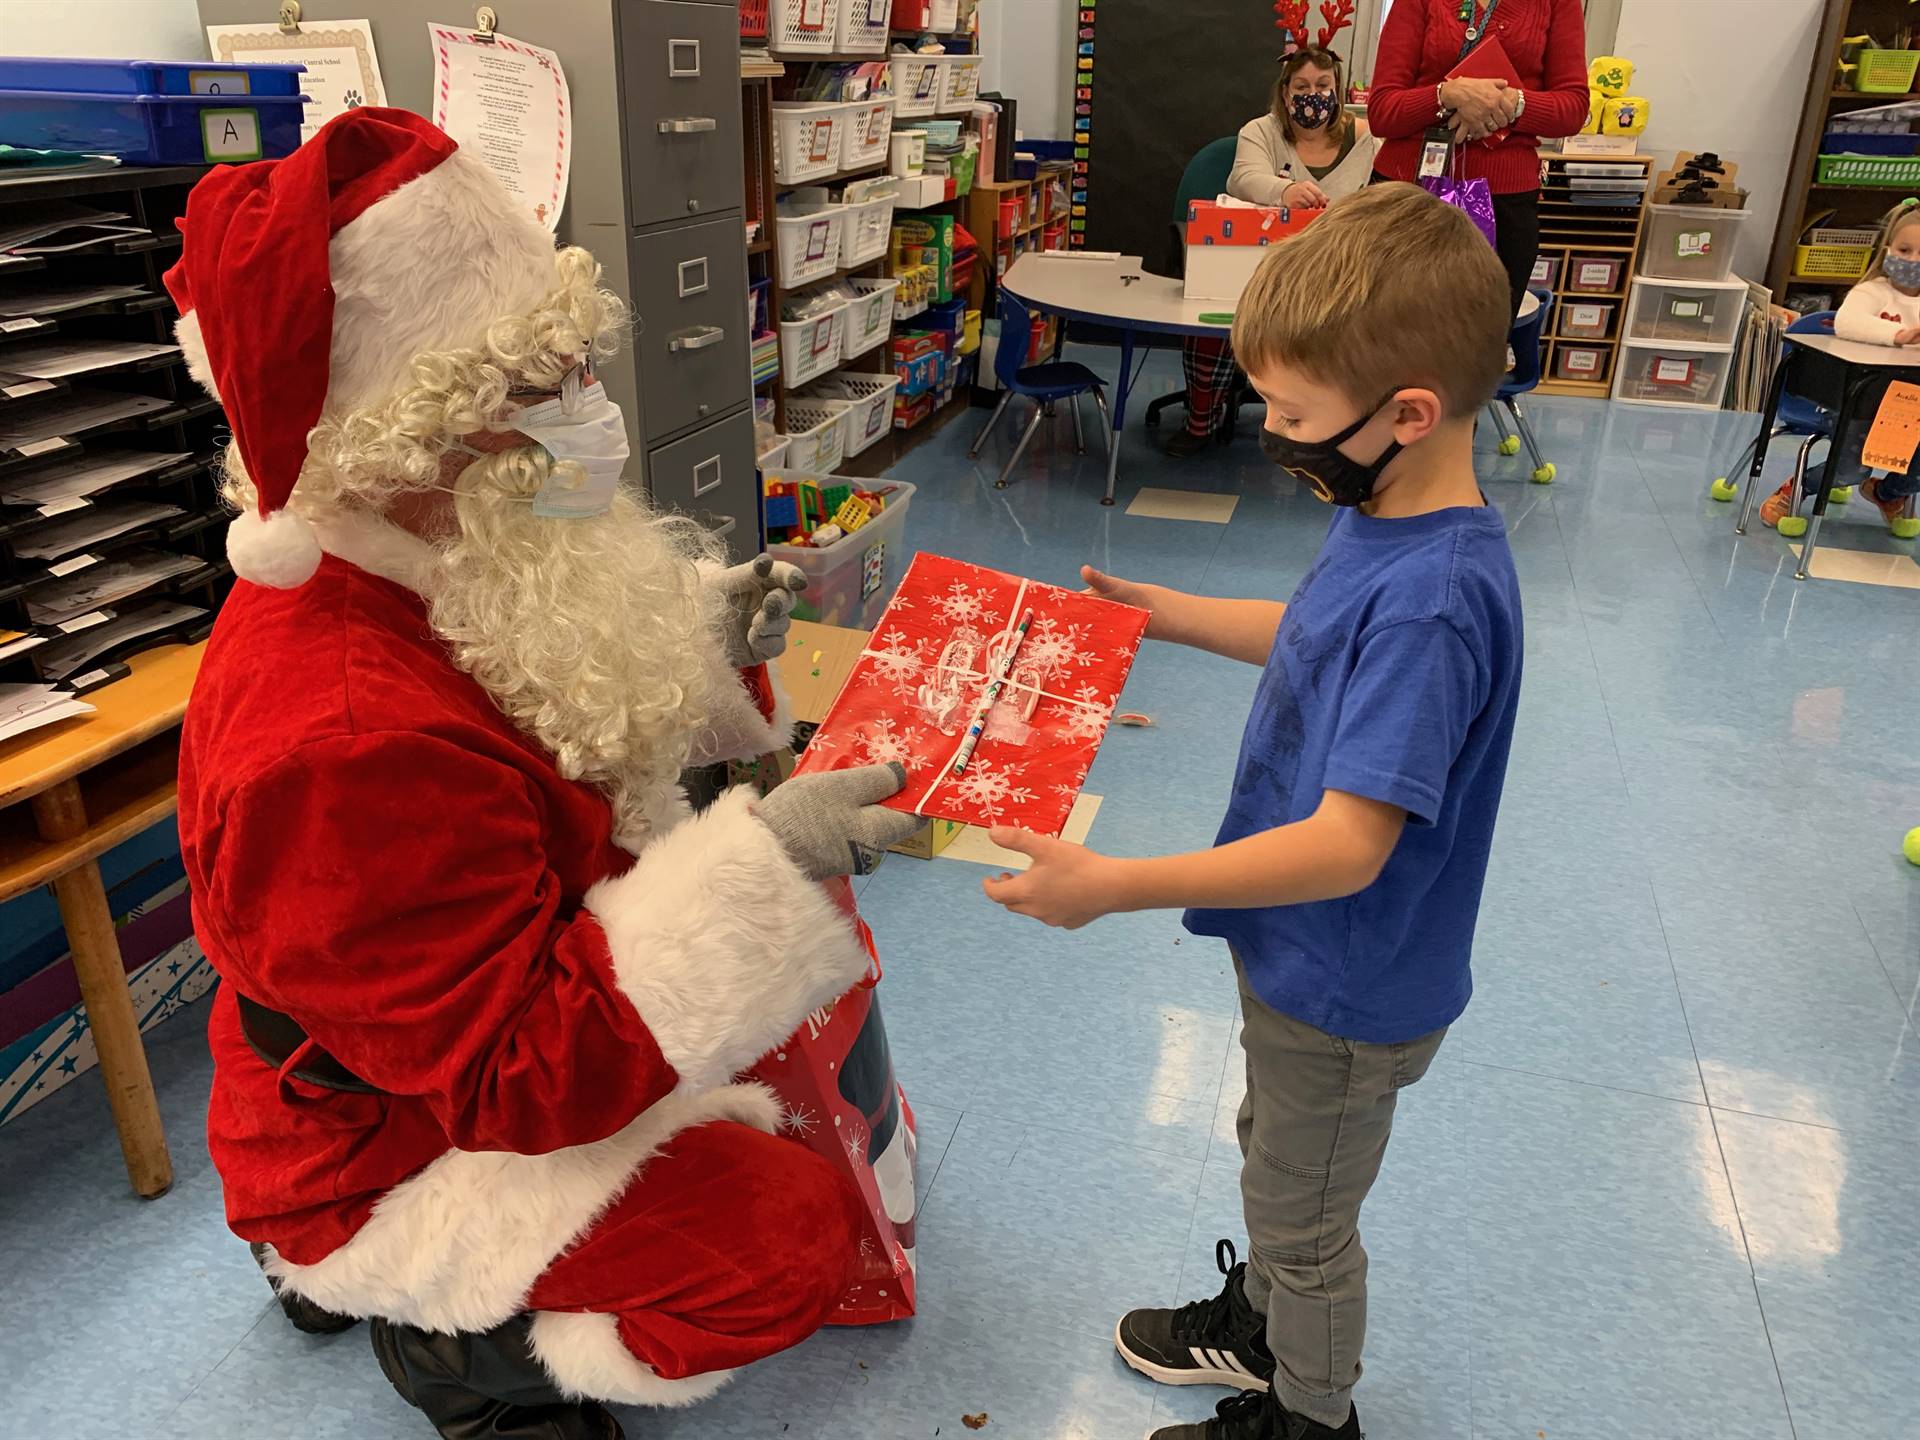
x=833, y=824
x=754, y=603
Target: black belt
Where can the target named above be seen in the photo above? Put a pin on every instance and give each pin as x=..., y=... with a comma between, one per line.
x=275, y=1037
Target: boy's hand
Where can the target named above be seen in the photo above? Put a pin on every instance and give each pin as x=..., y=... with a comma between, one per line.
x=1067, y=887
x=1150, y=598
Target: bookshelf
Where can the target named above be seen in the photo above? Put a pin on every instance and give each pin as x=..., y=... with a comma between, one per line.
x=1571, y=229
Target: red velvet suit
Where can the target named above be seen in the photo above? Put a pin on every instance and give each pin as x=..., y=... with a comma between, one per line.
x=376, y=851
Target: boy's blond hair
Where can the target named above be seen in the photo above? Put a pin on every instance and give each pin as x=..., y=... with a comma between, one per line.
x=1891, y=224
x=1389, y=288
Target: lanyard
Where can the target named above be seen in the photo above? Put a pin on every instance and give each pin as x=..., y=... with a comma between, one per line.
x=1476, y=27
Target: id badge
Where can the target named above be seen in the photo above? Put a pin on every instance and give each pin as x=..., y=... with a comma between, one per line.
x=1434, y=150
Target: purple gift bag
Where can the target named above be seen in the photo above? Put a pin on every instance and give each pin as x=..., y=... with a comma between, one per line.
x=1472, y=196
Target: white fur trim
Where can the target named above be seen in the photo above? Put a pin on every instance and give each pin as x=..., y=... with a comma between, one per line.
x=379, y=547
x=429, y=268
x=589, y=1361
x=737, y=730
x=280, y=551
x=722, y=943
x=193, y=349
x=458, y=1246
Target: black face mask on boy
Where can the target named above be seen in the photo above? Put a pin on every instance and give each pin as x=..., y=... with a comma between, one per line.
x=1324, y=468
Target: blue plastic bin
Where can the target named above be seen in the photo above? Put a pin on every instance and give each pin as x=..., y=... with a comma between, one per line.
x=154, y=129
x=148, y=77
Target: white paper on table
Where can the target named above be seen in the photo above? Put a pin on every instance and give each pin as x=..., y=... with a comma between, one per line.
x=62, y=658
x=507, y=101
x=82, y=475
x=99, y=585
x=68, y=414
x=90, y=527
x=28, y=707
x=53, y=359
x=343, y=70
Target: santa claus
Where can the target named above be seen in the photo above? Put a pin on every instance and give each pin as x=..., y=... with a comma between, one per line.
x=487, y=981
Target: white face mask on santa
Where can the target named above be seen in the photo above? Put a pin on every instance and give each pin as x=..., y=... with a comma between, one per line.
x=584, y=433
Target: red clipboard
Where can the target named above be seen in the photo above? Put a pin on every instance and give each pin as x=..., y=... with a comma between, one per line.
x=1488, y=61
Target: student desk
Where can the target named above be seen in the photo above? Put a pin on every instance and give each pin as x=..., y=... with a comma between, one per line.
x=1852, y=365
x=1121, y=296
x=68, y=794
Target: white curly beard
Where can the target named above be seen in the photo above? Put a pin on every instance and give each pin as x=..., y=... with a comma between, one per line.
x=588, y=633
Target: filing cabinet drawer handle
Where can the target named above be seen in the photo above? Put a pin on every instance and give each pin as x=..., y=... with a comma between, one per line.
x=706, y=476
x=689, y=125
x=683, y=59
x=698, y=338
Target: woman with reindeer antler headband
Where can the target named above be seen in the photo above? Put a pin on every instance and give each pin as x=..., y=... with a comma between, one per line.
x=1493, y=126
x=1304, y=152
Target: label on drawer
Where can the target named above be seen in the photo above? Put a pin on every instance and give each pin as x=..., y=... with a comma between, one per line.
x=1672, y=372
x=817, y=235
x=823, y=335
x=1596, y=275
x=819, y=141
x=73, y=564
x=1687, y=310
x=929, y=76
x=1542, y=271
x=879, y=11
x=1584, y=361
x=1588, y=316
x=219, y=82
x=813, y=14
x=1693, y=244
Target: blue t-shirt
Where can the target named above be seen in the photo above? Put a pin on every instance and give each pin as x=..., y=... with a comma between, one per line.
x=1395, y=676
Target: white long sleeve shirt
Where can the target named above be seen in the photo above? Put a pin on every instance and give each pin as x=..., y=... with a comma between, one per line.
x=1875, y=312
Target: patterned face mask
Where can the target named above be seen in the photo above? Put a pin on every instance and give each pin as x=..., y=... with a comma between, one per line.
x=1905, y=274
x=1314, y=109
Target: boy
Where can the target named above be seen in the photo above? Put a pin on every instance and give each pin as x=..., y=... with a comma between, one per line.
x=1348, y=871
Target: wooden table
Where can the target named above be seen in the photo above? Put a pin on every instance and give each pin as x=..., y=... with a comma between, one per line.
x=68, y=794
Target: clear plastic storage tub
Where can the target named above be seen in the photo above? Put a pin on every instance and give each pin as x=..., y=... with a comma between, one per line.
x=154, y=129
x=850, y=581
x=1690, y=242
x=1699, y=312
x=1585, y=319
x=1657, y=373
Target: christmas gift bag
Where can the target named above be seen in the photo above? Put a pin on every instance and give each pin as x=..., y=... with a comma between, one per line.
x=835, y=1079
x=951, y=633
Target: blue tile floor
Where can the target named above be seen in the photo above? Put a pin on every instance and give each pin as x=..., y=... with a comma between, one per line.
x=1662, y=1182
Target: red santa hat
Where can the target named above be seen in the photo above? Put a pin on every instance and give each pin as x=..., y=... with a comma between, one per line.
x=307, y=286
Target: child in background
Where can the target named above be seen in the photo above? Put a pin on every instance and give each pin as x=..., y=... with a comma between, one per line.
x=1883, y=309
x=1348, y=872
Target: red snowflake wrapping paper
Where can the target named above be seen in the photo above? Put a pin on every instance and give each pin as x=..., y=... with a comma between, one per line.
x=917, y=687
x=834, y=1077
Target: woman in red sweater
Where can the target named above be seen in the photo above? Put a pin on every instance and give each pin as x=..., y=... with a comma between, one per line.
x=1421, y=41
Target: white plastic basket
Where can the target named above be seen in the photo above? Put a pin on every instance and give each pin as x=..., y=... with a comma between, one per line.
x=774, y=456
x=806, y=140
x=803, y=27
x=819, y=433
x=959, y=83
x=869, y=231
x=811, y=237
x=870, y=406
x=916, y=84
x=863, y=25
x=810, y=348
x=869, y=320
x=868, y=127
x=934, y=15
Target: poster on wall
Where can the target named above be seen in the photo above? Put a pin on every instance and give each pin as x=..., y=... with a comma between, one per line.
x=507, y=102
x=343, y=69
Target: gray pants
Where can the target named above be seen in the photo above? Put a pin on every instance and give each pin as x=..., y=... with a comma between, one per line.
x=1313, y=1129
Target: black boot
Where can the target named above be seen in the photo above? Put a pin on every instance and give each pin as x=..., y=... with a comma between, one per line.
x=1183, y=444
x=305, y=1315
x=486, y=1386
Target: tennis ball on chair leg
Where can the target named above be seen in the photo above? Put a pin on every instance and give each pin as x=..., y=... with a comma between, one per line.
x=1510, y=445
x=1905, y=528
x=1724, y=489
x=1911, y=847
x=1792, y=526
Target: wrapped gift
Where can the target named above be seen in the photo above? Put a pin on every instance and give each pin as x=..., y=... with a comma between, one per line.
x=835, y=1081
x=1226, y=243
x=917, y=690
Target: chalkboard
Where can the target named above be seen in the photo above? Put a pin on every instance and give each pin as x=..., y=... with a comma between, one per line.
x=1167, y=79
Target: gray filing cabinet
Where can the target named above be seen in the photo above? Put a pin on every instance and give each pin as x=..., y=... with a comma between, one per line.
x=657, y=192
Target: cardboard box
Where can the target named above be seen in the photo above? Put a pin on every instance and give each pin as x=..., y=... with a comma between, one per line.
x=920, y=191
x=818, y=660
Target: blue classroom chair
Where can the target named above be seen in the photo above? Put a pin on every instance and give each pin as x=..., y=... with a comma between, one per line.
x=1796, y=414
x=1043, y=384
x=1524, y=341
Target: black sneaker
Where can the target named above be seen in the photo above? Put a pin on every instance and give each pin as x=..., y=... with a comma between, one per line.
x=1221, y=1341
x=1258, y=1417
